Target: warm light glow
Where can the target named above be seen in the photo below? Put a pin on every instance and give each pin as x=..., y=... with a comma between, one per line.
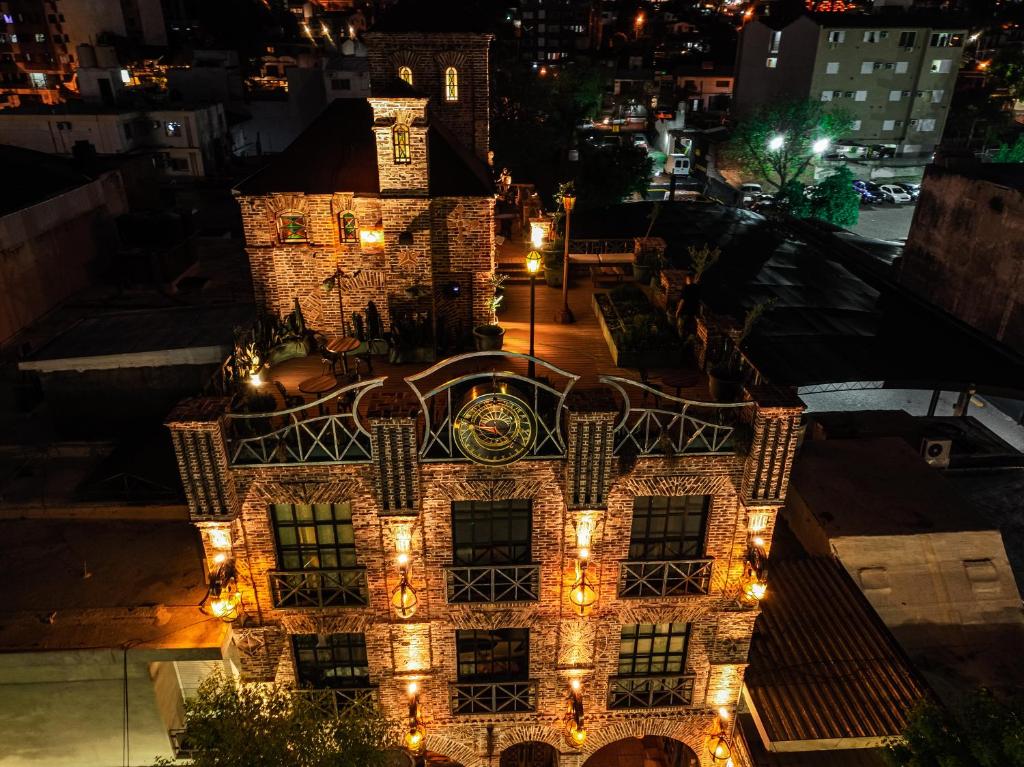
x=719, y=748
x=404, y=599
x=403, y=560
x=983, y=65
x=220, y=538
x=575, y=684
x=820, y=145
x=533, y=261
x=536, y=236
x=757, y=540
x=723, y=714
x=256, y=379
x=412, y=689
x=775, y=143
x=414, y=739
x=578, y=735
x=756, y=590
x=584, y=554
x=226, y=606
x=568, y=201
x=584, y=531
x=219, y=559
x=371, y=236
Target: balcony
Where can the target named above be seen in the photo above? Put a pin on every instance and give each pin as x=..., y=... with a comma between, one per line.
x=493, y=697
x=317, y=589
x=330, y=702
x=650, y=691
x=673, y=578
x=493, y=583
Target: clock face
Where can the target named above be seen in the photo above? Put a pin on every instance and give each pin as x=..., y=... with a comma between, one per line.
x=495, y=429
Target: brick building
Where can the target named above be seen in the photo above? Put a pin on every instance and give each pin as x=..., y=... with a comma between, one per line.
x=523, y=569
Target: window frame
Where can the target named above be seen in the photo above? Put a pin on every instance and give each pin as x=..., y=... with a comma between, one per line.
x=345, y=233
x=640, y=662
x=654, y=545
x=451, y=84
x=303, y=555
x=282, y=227
x=343, y=649
x=507, y=550
x=405, y=74
x=400, y=149
x=501, y=637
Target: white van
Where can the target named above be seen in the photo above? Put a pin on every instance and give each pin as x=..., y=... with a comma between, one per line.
x=677, y=165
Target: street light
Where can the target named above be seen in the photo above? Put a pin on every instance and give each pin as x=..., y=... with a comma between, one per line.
x=820, y=145
x=565, y=316
x=533, y=266
x=775, y=143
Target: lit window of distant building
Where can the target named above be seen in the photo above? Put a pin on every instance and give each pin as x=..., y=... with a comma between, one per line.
x=173, y=129
x=451, y=84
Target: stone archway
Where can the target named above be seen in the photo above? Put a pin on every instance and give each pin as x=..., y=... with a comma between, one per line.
x=532, y=753
x=649, y=750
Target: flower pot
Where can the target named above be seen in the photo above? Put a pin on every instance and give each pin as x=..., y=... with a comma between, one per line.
x=488, y=338
x=724, y=387
x=553, y=276
x=641, y=274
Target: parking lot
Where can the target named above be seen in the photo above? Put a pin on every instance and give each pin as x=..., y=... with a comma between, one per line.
x=885, y=222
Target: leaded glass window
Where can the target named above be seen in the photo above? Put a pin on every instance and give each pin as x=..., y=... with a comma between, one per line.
x=668, y=527
x=451, y=84
x=349, y=227
x=405, y=73
x=331, y=660
x=292, y=227
x=315, y=536
x=400, y=143
x=653, y=649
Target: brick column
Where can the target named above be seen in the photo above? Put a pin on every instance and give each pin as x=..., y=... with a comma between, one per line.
x=198, y=438
x=776, y=425
x=590, y=441
x=396, y=479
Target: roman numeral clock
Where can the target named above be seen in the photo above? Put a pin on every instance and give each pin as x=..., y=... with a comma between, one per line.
x=494, y=426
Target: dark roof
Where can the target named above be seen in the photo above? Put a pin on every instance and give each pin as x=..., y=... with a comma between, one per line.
x=876, y=487
x=847, y=757
x=338, y=153
x=822, y=664
x=40, y=176
x=1007, y=174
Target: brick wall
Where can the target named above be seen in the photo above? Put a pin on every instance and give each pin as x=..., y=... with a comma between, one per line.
x=562, y=642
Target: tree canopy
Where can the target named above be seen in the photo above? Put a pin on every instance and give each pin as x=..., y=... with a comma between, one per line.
x=607, y=175
x=776, y=142
x=1007, y=153
x=981, y=732
x=255, y=725
x=835, y=200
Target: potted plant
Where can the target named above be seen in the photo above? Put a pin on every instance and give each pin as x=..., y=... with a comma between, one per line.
x=489, y=338
x=725, y=374
x=553, y=264
x=642, y=267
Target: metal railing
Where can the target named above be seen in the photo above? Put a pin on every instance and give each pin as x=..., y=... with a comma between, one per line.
x=308, y=433
x=331, y=701
x=493, y=697
x=180, y=745
x=493, y=583
x=669, y=578
x=672, y=425
x=650, y=691
x=601, y=247
x=316, y=589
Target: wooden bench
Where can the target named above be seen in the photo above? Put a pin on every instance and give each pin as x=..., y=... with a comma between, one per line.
x=607, y=275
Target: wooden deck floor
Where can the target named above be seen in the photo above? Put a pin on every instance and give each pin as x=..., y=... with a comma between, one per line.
x=577, y=348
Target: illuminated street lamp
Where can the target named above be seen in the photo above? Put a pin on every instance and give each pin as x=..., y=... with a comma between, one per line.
x=565, y=316
x=533, y=266
x=775, y=143
x=819, y=146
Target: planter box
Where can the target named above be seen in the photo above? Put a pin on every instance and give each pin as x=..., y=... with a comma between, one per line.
x=651, y=358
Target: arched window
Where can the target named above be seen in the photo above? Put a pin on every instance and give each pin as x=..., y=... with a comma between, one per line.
x=405, y=73
x=451, y=84
x=400, y=144
x=291, y=227
x=349, y=227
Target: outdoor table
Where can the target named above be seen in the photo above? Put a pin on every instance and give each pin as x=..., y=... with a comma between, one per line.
x=678, y=380
x=343, y=346
x=318, y=385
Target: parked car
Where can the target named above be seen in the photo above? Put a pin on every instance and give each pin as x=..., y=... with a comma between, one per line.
x=893, y=193
x=881, y=151
x=677, y=164
x=750, y=192
x=866, y=192
x=914, y=190
x=640, y=140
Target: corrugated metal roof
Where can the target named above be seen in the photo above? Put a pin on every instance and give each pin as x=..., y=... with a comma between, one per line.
x=822, y=664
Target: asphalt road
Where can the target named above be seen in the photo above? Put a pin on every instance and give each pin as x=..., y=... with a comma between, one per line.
x=885, y=222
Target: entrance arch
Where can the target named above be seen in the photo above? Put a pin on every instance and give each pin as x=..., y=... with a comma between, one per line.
x=532, y=753
x=650, y=751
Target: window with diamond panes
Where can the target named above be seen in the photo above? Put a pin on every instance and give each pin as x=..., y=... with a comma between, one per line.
x=292, y=227
x=400, y=144
x=651, y=649
x=314, y=536
x=451, y=84
x=331, y=660
x=349, y=227
x=499, y=655
x=668, y=527
x=491, y=532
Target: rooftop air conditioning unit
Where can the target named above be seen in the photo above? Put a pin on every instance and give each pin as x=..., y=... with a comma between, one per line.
x=936, y=452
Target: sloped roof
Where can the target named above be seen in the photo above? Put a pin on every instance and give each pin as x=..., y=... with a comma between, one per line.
x=40, y=177
x=822, y=664
x=338, y=153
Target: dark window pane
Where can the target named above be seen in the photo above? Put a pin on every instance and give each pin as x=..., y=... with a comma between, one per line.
x=314, y=537
x=331, y=660
x=666, y=528
x=497, y=655
x=653, y=649
x=491, y=532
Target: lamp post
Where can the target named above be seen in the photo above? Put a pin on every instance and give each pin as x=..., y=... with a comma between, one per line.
x=565, y=316
x=532, y=266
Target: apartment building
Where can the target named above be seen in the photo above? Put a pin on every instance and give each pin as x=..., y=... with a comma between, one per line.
x=554, y=32
x=524, y=560
x=894, y=76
